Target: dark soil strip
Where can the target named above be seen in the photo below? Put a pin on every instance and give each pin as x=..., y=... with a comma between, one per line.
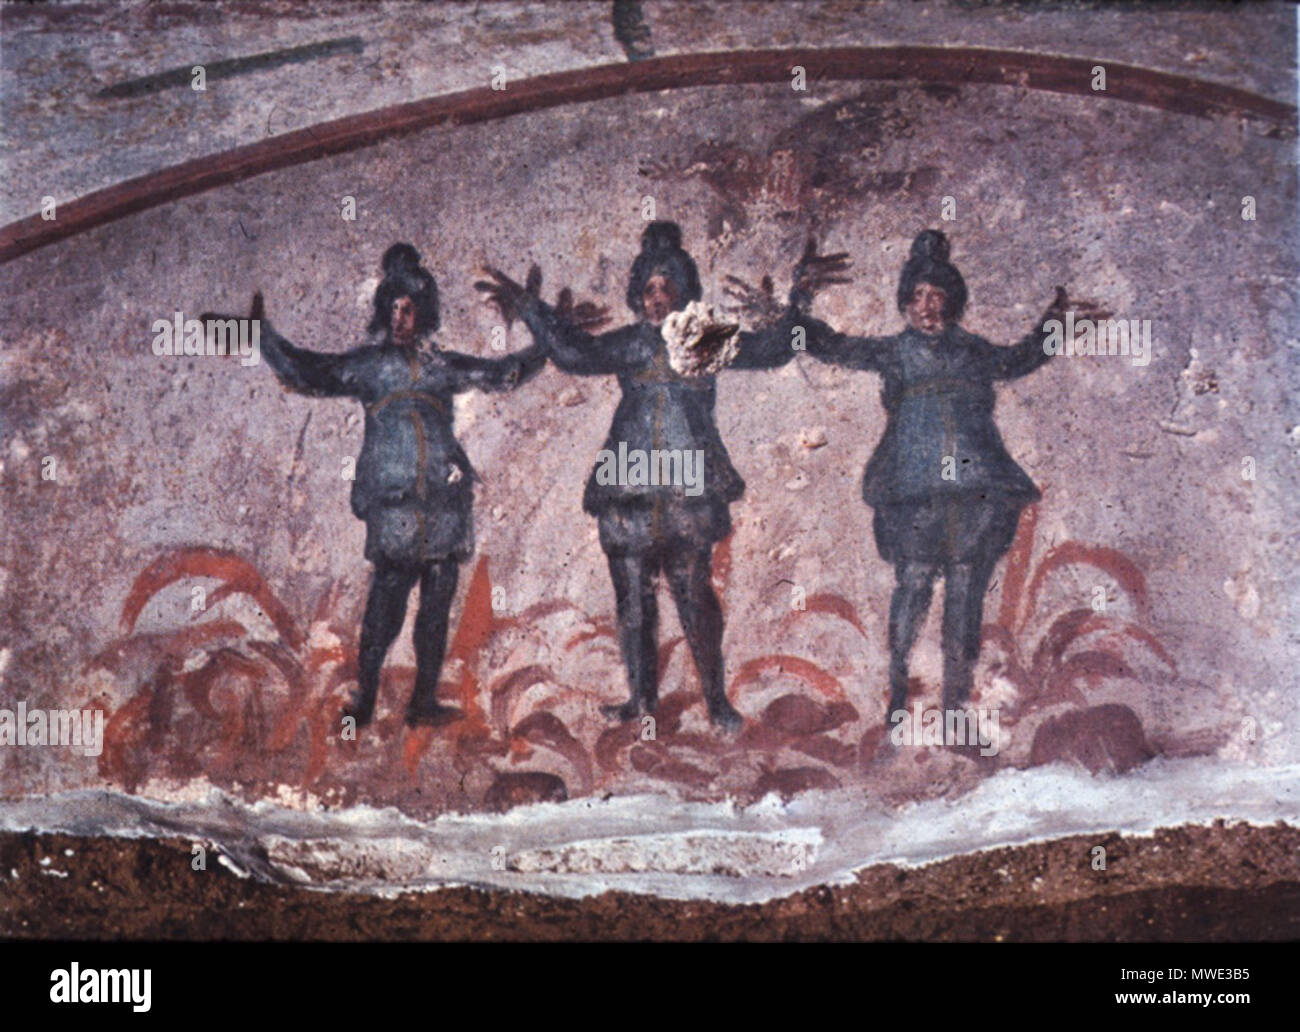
x=1190, y=884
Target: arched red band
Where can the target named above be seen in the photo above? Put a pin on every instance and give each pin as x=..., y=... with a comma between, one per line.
x=943, y=65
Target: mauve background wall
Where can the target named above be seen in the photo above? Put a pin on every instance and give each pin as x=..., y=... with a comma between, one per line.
x=1136, y=208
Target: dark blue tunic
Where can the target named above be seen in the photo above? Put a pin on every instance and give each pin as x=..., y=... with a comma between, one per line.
x=941, y=480
x=660, y=411
x=414, y=482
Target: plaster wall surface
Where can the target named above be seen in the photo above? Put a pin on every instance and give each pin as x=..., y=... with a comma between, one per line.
x=1184, y=677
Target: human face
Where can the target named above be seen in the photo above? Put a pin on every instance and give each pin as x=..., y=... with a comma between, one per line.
x=403, y=320
x=925, y=311
x=659, y=298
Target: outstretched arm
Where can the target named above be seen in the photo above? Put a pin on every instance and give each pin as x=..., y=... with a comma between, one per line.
x=498, y=374
x=791, y=329
x=562, y=331
x=1030, y=352
x=575, y=350
x=834, y=348
x=772, y=346
x=307, y=372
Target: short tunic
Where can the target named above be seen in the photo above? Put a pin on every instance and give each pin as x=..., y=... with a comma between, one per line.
x=942, y=484
x=414, y=484
x=949, y=528
x=665, y=524
x=660, y=411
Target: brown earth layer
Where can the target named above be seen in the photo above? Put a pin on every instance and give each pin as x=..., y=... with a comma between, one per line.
x=1198, y=884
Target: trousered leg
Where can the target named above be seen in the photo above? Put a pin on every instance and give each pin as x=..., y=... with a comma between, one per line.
x=907, y=609
x=963, y=612
x=690, y=579
x=437, y=589
x=390, y=586
x=638, y=630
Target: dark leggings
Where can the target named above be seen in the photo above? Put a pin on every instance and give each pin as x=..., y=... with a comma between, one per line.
x=963, y=610
x=689, y=572
x=385, y=611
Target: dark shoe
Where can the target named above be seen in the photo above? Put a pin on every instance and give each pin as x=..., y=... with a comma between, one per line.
x=725, y=717
x=434, y=714
x=360, y=708
x=629, y=710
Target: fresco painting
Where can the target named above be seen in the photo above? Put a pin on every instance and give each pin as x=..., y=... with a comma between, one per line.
x=844, y=430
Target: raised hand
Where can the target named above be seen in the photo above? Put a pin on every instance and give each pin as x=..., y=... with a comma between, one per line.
x=505, y=294
x=585, y=315
x=1081, y=308
x=509, y=298
x=814, y=272
x=258, y=312
x=758, y=307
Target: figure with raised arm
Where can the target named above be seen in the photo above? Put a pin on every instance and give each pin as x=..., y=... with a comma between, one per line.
x=649, y=520
x=946, y=494
x=414, y=482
